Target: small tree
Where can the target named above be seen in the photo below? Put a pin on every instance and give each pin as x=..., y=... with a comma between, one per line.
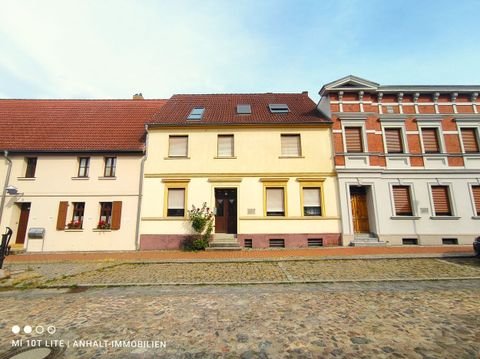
x=201, y=220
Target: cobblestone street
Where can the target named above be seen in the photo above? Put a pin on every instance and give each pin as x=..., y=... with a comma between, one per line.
x=287, y=271
x=421, y=319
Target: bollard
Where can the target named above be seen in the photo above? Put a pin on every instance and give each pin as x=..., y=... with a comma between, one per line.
x=4, y=245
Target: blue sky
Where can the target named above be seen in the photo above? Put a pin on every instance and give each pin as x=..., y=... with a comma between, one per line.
x=115, y=48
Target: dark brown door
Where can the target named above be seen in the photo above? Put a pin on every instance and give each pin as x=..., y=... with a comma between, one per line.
x=22, y=223
x=226, y=210
x=358, y=199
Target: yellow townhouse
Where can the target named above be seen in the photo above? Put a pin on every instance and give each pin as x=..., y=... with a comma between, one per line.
x=262, y=162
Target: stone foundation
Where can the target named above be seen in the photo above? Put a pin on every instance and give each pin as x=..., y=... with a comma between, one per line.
x=292, y=240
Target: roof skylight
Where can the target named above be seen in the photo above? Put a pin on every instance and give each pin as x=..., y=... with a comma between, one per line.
x=278, y=108
x=244, y=109
x=196, y=113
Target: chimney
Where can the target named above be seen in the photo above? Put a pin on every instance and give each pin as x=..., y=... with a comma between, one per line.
x=138, y=96
x=305, y=93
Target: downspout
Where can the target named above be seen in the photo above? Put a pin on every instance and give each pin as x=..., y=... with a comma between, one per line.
x=7, y=180
x=140, y=191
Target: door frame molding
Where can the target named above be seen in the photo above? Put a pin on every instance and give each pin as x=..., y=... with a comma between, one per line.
x=226, y=185
x=20, y=205
x=374, y=226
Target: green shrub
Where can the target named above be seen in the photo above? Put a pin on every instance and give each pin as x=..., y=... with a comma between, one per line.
x=201, y=220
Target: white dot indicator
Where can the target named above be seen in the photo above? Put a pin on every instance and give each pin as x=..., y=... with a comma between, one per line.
x=51, y=329
x=15, y=329
x=39, y=329
x=27, y=329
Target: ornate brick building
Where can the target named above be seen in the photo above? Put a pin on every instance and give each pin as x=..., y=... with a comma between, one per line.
x=408, y=161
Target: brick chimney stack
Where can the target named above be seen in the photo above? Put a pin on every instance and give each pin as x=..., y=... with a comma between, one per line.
x=138, y=96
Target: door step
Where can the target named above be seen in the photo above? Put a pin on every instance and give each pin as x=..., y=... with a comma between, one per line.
x=367, y=240
x=224, y=242
x=17, y=249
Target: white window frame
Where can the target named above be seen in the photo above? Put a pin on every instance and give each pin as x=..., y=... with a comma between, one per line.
x=412, y=200
x=477, y=135
x=394, y=125
x=355, y=123
x=450, y=198
x=437, y=124
x=472, y=201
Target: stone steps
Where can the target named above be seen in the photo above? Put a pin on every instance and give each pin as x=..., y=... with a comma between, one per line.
x=367, y=240
x=224, y=242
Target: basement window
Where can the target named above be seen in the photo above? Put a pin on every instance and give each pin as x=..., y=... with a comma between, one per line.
x=409, y=241
x=449, y=241
x=278, y=108
x=277, y=243
x=315, y=242
x=248, y=243
x=196, y=113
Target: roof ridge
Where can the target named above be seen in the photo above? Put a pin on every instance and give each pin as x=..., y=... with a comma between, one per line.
x=239, y=93
x=82, y=99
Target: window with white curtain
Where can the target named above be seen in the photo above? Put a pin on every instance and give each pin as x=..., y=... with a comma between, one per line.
x=178, y=146
x=225, y=146
x=275, y=201
x=291, y=146
x=176, y=202
x=311, y=201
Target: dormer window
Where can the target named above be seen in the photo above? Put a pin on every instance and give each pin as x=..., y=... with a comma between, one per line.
x=244, y=109
x=278, y=108
x=196, y=113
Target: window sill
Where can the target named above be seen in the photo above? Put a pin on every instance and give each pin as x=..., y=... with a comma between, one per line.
x=73, y=230
x=26, y=178
x=225, y=158
x=101, y=230
x=107, y=178
x=291, y=157
x=404, y=217
x=80, y=178
x=444, y=217
x=475, y=217
x=177, y=158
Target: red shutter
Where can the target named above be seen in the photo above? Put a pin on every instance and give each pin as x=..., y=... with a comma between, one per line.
x=476, y=198
x=441, y=202
x=393, y=137
x=353, y=139
x=469, y=139
x=401, y=198
x=62, y=215
x=116, y=215
x=430, y=140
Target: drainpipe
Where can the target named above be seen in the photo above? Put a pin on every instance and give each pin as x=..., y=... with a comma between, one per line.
x=7, y=179
x=140, y=191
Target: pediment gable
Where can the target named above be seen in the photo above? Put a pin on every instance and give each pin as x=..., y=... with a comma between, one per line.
x=349, y=83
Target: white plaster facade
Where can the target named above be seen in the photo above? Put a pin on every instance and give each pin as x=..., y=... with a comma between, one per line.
x=56, y=180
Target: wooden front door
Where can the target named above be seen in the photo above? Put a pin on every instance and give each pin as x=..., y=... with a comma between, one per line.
x=358, y=199
x=226, y=210
x=22, y=223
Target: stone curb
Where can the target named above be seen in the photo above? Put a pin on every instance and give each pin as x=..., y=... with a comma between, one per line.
x=268, y=259
x=147, y=284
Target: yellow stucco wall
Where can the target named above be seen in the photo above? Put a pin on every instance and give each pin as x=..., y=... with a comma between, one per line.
x=257, y=159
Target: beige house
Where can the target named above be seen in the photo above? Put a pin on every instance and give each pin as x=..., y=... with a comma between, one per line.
x=71, y=172
x=263, y=162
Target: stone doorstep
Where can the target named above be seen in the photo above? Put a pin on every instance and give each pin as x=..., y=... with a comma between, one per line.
x=231, y=248
x=368, y=243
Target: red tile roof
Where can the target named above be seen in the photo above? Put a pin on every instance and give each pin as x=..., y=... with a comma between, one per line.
x=222, y=109
x=75, y=125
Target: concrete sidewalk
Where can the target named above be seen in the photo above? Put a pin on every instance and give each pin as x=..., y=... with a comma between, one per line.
x=248, y=255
